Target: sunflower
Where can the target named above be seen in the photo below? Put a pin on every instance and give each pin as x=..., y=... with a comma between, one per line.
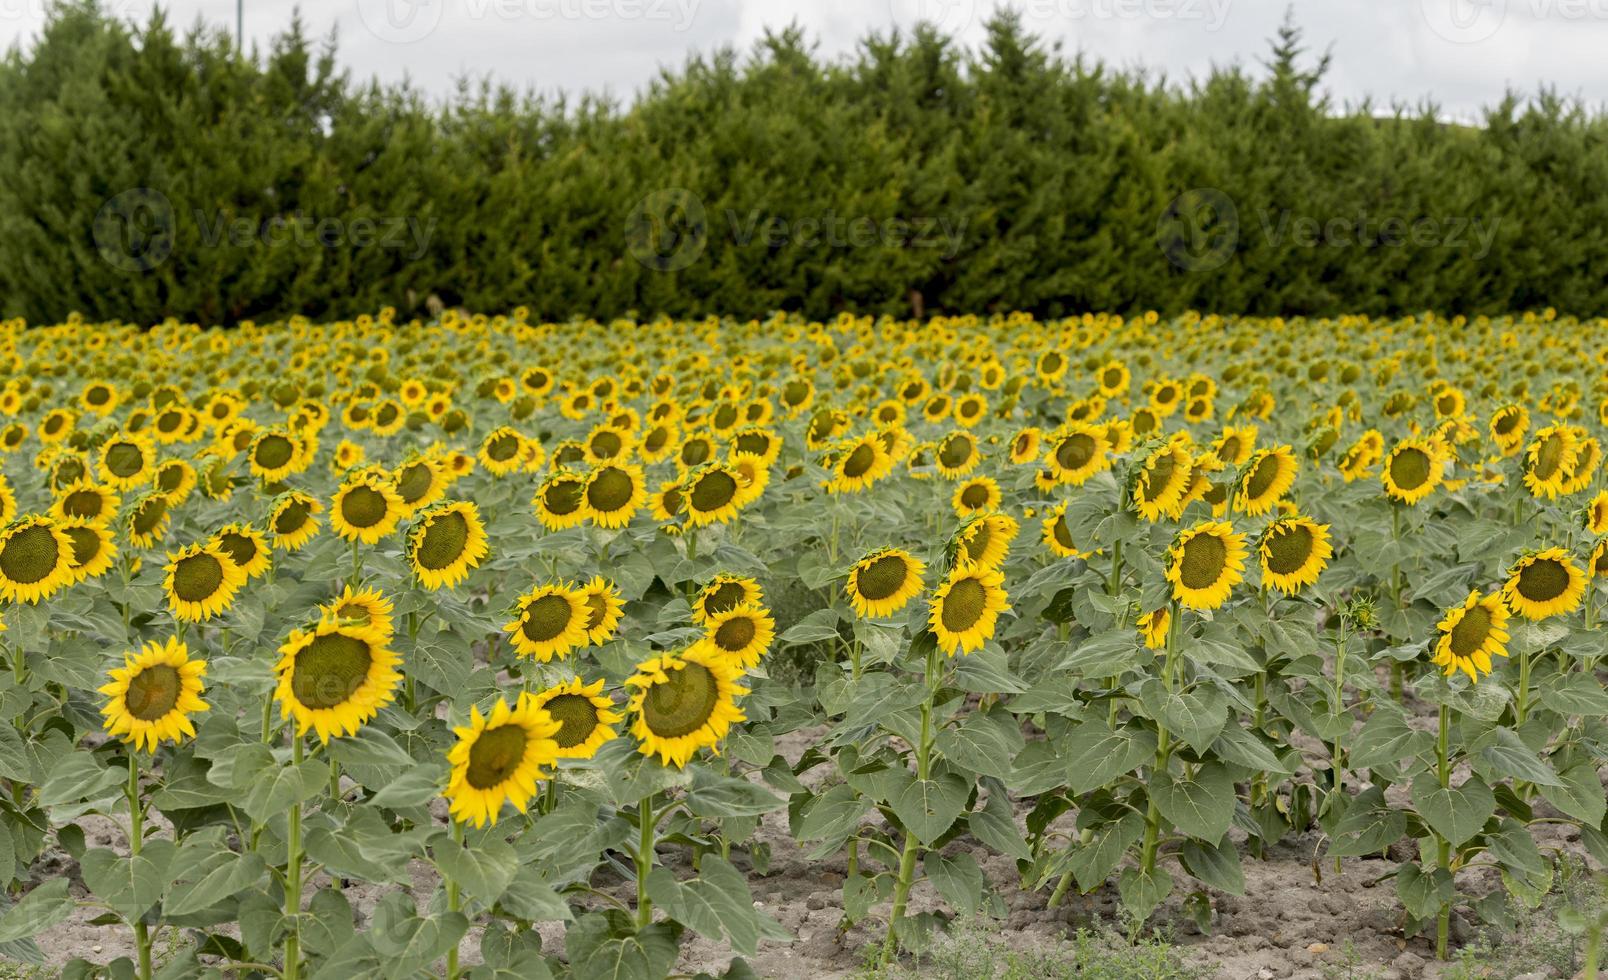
x=1057, y=536
x=364, y=609
x=500, y=451
x=147, y=519
x=682, y=702
x=1597, y=514
x=245, y=546
x=1550, y=460
x=126, y=461
x=710, y=494
x=83, y=500
x=1205, y=563
x=1113, y=379
x=984, y=540
x=584, y=716
x=293, y=519
x=176, y=478
x=1471, y=634
x=557, y=501
x=980, y=493
x=420, y=481
x=36, y=559
x=1153, y=627
x=957, y=455
x=966, y=606
x=723, y=593
x=93, y=548
x=883, y=582
x=1265, y=480
x=499, y=759
x=1508, y=426
x=274, y=455
x=8, y=503
x=549, y=621
x=1543, y=584
x=1162, y=479
x=446, y=541
x=1293, y=553
x=1077, y=452
x=860, y=463
x=1026, y=445
x=365, y=509
x=151, y=697
x=1413, y=470
x=1587, y=457
x=613, y=494
x=201, y=582
x=753, y=476
x=667, y=503
x=603, y=609
x=335, y=677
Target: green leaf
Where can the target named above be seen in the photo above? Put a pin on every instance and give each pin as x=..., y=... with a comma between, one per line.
x=1503, y=754
x=207, y=872
x=609, y=946
x=1456, y=813
x=987, y=671
x=715, y=903
x=415, y=787
x=1091, y=863
x=482, y=869
x=958, y=879
x=983, y=743
x=1242, y=747
x=1096, y=754
x=1516, y=849
x=833, y=816
x=531, y=898
x=1579, y=794
x=1143, y=892
x=129, y=884
x=1368, y=827
x=1575, y=694
x=927, y=807
x=818, y=627
x=1423, y=894
x=1217, y=865
x=81, y=776
x=1195, y=716
x=1109, y=654
x=1202, y=807
x=715, y=795
x=408, y=943
x=45, y=906
x=995, y=825
x=1386, y=739
x=370, y=747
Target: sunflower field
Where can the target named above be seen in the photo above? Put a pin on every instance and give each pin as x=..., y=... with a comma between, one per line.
x=485, y=647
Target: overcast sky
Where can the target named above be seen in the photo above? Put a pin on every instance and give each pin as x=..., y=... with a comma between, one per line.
x=1460, y=53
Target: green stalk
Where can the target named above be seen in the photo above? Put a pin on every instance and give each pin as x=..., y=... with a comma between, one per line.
x=293, y=883
x=136, y=838
x=1115, y=582
x=912, y=845
x=1397, y=671
x=1339, y=705
x=644, y=860
x=1147, y=856
x=452, y=904
x=1443, y=921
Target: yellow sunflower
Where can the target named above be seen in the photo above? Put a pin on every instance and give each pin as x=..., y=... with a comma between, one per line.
x=126, y=461
x=83, y=500
x=293, y=520
x=743, y=634
x=957, y=455
x=501, y=451
x=710, y=494
x=147, y=519
x=1597, y=514
x=335, y=678
x=1153, y=627
x=1161, y=482
x=558, y=501
x=966, y=607
x=883, y=582
x=36, y=559
x=1057, y=536
x=1413, y=470
x=1205, y=563
x=1550, y=460
x=93, y=548
x=274, y=455
x=549, y=621
x=499, y=759
x=613, y=494
x=446, y=541
x=1265, y=480
x=1077, y=452
x=363, y=608
x=603, y=609
x=980, y=493
x=201, y=582
x=585, y=717
x=420, y=482
x=1471, y=634
x=683, y=702
x=859, y=464
x=1293, y=552
x=1547, y=583
x=984, y=540
x=365, y=509
x=151, y=697
x=246, y=547
x=724, y=592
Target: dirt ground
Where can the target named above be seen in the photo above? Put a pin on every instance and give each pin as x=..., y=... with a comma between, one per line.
x=1291, y=923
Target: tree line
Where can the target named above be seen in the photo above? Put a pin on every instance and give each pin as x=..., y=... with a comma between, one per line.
x=153, y=173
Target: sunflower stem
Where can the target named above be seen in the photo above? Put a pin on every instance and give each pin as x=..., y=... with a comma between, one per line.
x=1115, y=582
x=452, y=904
x=1443, y=771
x=136, y=837
x=1147, y=858
x=644, y=860
x=912, y=844
x=293, y=882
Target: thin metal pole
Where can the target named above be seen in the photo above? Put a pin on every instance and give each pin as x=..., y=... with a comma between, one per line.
x=240, y=21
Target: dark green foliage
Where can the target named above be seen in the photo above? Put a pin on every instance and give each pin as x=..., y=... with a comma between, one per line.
x=914, y=177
